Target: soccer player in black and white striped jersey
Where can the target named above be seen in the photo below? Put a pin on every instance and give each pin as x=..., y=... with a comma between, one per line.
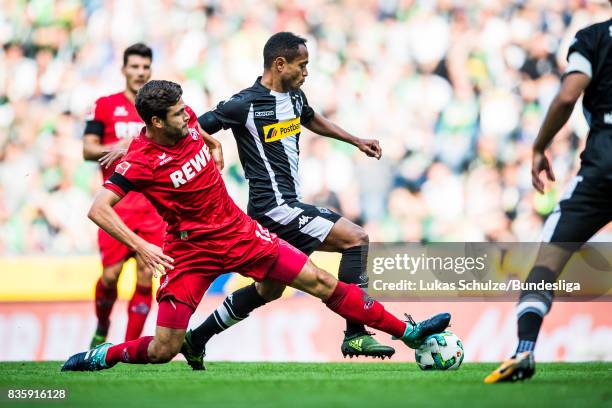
x=587, y=205
x=266, y=120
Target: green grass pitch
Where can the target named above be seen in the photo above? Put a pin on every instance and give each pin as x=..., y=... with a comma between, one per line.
x=253, y=385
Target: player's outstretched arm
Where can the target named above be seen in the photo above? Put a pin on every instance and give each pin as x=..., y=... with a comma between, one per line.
x=557, y=116
x=324, y=127
x=103, y=214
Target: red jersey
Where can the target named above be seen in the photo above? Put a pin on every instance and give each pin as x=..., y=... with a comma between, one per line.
x=182, y=182
x=119, y=120
x=113, y=118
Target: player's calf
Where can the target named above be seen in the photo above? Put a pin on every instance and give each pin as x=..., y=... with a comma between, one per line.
x=162, y=351
x=105, y=297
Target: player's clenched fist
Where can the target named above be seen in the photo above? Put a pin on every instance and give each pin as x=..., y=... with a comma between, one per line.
x=370, y=147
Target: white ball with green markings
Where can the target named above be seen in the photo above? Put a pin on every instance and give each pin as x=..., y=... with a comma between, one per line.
x=442, y=351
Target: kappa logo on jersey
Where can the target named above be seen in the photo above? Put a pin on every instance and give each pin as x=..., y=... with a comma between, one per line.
x=303, y=220
x=281, y=130
x=264, y=114
x=164, y=158
x=120, y=111
x=190, y=169
x=122, y=168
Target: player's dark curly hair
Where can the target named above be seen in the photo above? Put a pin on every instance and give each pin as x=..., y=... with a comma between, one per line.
x=137, y=49
x=155, y=98
x=283, y=44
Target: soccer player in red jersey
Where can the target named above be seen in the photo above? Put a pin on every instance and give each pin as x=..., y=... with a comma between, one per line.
x=172, y=162
x=111, y=126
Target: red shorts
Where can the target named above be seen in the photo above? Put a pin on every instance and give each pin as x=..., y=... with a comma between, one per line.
x=249, y=250
x=143, y=220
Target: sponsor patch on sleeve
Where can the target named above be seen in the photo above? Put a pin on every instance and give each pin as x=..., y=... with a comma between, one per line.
x=122, y=168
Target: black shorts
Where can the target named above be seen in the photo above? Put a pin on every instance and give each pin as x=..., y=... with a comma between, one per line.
x=304, y=226
x=584, y=209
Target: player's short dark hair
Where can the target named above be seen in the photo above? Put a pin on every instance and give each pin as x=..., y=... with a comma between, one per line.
x=283, y=44
x=155, y=98
x=137, y=49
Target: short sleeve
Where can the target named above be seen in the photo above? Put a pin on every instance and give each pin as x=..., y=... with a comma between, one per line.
x=193, y=118
x=307, y=112
x=131, y=174
x=582, y=52
x=95, y=119
x=229, y=113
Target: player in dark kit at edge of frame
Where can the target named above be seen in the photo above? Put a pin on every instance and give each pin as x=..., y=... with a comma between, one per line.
x=266, y=121
x=110, y=127
x=173, y=164
x=587, y=206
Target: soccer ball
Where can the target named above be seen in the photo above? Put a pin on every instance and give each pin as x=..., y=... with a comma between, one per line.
x=442, y=351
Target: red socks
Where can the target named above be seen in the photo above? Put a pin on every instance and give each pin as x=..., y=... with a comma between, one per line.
x=105, y=299
x=132, y=352
x=138, y=309
x=352, y=303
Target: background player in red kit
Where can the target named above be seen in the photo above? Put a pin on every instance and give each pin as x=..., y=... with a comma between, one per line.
x=207, y=235
x=111, y=126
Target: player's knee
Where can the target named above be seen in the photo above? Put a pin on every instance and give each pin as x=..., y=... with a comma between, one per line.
x=357, y=237
x=110, y=275
x=270, y=290
x=362, y=237
x=144, y=274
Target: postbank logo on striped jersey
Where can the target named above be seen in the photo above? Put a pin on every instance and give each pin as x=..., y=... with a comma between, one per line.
x=283, y=129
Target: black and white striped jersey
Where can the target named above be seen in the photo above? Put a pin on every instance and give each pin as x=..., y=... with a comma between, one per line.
x=267, y=126
x=591, y=54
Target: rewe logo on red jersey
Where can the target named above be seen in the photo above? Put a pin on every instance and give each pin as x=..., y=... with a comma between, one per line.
x=191, y=168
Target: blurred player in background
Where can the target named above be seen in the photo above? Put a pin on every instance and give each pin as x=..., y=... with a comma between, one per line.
x=587, y=206
x=110, y=128
x=266, y=120
x=177, y=167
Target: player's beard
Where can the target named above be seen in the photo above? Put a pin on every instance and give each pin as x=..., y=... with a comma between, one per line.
x=293, y=84
x=177, y=133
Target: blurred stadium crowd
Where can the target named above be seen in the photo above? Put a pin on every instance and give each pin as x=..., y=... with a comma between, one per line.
x=455, y=90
